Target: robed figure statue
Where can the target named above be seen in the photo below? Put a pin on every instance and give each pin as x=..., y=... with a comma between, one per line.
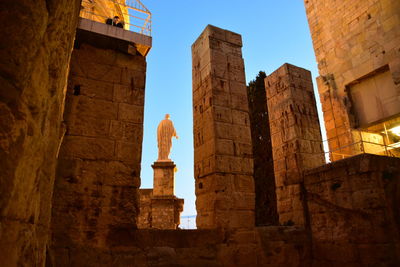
x=165, y=132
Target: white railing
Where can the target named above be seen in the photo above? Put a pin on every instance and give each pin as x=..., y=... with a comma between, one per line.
x=188, y=222
x=134, y=16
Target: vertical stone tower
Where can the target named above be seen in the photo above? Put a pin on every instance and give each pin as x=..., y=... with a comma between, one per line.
x=295, y=135
x=222, y=139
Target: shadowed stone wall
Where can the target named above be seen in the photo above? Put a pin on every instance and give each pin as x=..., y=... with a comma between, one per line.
x=144, y=218
x=35, y=49
x=295, y=135
x=96, y=189
x=262, y=246
x=222, y=140
x=354, y=211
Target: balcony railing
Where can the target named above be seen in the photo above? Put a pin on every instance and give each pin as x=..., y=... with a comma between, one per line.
x=188, y=222
x=134, y=16
x=355, y=142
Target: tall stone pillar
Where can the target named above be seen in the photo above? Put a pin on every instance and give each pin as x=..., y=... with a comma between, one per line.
x=222, y=139
x=295, y=135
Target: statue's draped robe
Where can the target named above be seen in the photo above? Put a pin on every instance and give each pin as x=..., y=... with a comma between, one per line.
x=165, y=132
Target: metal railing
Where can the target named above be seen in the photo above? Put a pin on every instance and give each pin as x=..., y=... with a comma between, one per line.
x=134, y=16
x=355, y=142
x=188, y=222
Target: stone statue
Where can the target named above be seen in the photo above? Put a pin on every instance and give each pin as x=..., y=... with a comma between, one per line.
x=165, y=132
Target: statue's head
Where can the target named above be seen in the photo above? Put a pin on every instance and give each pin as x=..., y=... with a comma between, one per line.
x=167, y=116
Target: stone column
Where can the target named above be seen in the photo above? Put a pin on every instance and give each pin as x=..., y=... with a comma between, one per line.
x=295, y=135
x=223, y=165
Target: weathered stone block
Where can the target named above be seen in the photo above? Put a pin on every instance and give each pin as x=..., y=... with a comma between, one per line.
x=87, y=148
x=128, y=152
x=91, y=88
x=135, y=79
x=128, y=94
x=224, y=147
x=101, y=72
x=130, y=113
x=85, y=106
x=244, y=183
x=117, y=129
x=87, y=126
x=133, y=132
x=223, y=114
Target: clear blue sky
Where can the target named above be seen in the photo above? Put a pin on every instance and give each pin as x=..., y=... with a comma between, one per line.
x=273, y=32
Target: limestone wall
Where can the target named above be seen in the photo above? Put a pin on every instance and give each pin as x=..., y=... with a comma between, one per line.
x=354, y=41
x=295, y=135
x=35, y=49
x=263, y=246
x=96, y=189
x=354, y=212
x=144, y=218
x=222, y=141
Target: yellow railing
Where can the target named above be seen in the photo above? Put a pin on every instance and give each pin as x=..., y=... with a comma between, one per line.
x=134, y=16
x=353, y=142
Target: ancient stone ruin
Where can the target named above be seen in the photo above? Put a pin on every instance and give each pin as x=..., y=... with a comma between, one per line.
x=71, y=133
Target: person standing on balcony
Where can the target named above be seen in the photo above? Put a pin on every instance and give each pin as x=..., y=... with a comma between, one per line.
x=115, y=22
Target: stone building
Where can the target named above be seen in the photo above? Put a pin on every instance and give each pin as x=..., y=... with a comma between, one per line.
x=69, y=179
x=358, y=55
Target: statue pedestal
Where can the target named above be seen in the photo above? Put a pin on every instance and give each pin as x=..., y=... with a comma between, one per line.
x=165, y=206
x=164, y=178
x=166, y=212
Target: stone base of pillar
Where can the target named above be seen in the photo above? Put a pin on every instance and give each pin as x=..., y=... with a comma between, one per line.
x=166, y=212
x=164, y=207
